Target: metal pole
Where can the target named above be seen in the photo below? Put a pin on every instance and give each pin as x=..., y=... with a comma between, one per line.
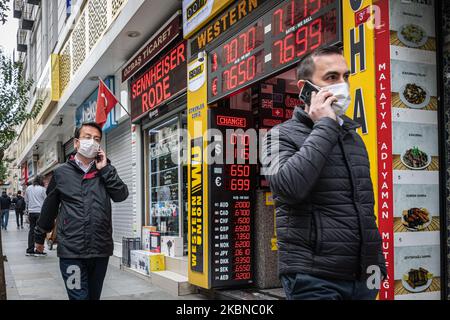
x=2, y=271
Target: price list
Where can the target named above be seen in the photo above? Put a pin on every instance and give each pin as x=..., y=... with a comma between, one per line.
x=231, y=198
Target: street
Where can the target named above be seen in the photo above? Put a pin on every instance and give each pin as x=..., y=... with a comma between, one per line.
x=32, y=278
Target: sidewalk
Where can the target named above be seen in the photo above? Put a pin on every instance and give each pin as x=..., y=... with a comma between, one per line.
x=31, y=278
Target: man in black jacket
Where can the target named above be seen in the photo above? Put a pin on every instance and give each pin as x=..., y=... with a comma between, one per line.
x=79, y=196
x=20, y=206
x=327, y=233
x=5, y=205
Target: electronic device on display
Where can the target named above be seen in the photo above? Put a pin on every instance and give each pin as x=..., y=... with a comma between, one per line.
x=275, y=41
x=231, y=199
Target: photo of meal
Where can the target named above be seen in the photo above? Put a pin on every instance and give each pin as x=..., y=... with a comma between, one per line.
x=416, y=219
x=417, y=280
x=416, y=159
x=412, y=35
x=414, y=96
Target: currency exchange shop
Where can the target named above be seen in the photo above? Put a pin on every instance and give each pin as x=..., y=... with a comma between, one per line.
x=156, y=78
x=242, y=58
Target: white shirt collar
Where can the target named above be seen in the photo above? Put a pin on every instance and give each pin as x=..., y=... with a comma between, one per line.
x=82, y=166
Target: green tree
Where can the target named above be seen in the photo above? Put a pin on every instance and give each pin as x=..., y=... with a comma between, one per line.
x=4, y=7
x=14, y=100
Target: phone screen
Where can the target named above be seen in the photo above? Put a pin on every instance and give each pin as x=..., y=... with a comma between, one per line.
x=306, y=92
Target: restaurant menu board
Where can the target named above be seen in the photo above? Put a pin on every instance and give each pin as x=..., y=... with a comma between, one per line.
x=164, y=179
x=415, y=150
x=275, y=41
x=231, y=201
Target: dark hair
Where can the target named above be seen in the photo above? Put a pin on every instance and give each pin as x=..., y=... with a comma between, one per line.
x=38, y=181
x=88, y=124
x=19, y=192
x=306, y=66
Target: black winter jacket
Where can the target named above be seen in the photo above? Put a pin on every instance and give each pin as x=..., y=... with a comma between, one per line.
x=20, y=204
x=5, y=202
x=82, y=205
x=324, y=200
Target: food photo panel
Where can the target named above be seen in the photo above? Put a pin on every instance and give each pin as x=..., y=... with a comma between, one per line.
x=416, y=208
x=414, y=85
x=417, y=272
x=412, y=24
x=415, y=146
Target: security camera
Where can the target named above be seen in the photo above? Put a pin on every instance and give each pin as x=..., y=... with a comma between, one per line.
x=201, y=56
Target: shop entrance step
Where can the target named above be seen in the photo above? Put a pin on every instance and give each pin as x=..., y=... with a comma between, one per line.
x=172, y=282
x=178, y=265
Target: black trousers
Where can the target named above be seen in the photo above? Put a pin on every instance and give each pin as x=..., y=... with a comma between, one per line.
x=19, y=218
x=34, y=217
x=84, y=277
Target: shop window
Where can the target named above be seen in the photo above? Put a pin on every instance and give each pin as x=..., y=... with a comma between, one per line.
x=166, y=205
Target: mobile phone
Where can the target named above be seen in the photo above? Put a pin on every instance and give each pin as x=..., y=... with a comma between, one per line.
x=306, y=92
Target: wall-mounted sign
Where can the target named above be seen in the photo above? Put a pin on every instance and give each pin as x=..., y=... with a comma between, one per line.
x=222, y=23
x=273, y=42
x=231, y=218
x=24, y=174
x=30, y=168
x=48, y=90
x=154, y=46
x=87, y=110
x=159, y=82
x=198, y=12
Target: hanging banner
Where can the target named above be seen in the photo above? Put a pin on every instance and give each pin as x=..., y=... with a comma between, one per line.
x=384, y=131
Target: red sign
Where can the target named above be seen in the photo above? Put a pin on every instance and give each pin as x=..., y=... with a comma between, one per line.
x=231, y=121
x=159, y=82
x=153, y=47
x=384, y=132
x=25, y=173
x=362, y=16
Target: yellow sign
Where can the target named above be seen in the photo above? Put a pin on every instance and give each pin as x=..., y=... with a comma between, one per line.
x=269, y=199
x=198, y=216
x=359, y=48
x=48, y=89
x=196, y=13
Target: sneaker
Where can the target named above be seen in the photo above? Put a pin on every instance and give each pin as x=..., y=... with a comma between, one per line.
x=29, y=254
x=40, y=254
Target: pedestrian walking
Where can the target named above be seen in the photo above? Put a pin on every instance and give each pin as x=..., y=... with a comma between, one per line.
x=327, y=232
x=34, y=198
x=19, y=206
x=79, y=197
x=5, y=202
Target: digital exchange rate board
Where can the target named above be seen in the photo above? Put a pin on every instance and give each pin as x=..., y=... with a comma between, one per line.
x=275, y=41
x=231, y=199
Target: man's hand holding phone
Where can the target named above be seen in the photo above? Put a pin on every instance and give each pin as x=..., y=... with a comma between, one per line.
x=321, y=105
x=101, y=160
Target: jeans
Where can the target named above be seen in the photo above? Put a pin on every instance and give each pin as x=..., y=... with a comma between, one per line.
x=19, y=218
x=33, y=220
x=84, y=277
x=307, y=287
x=5, y=218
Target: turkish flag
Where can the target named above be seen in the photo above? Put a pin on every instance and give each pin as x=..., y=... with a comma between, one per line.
x=106, y=101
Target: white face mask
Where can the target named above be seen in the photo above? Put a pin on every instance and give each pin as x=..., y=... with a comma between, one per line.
x=342, y=92
x=88, y=148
